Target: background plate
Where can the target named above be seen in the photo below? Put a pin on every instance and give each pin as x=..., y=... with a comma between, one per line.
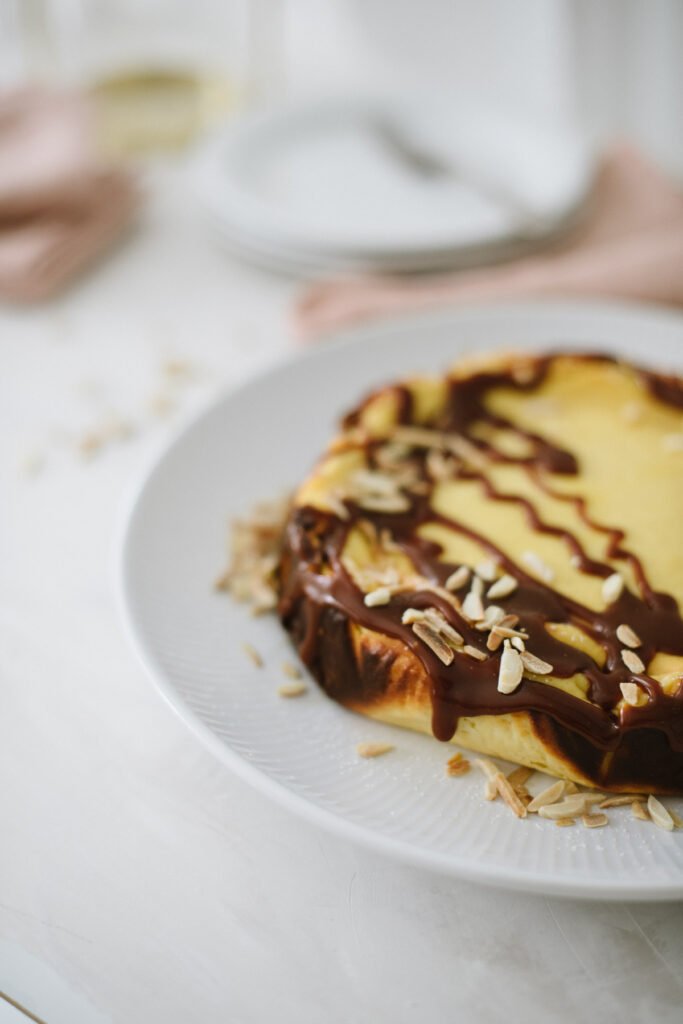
x=261, y=440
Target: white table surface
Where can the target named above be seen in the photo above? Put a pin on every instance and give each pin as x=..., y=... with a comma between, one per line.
x=139, y=879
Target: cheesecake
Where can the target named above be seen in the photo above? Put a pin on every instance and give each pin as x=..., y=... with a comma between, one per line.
x=494, y=556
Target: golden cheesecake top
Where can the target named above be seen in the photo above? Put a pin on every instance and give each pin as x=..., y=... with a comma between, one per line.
x=518, y=522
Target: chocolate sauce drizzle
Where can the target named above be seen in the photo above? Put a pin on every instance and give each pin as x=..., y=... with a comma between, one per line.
x=313, y=571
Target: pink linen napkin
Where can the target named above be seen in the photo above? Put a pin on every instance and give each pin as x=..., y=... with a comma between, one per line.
x=61, y=206
x=629, y=245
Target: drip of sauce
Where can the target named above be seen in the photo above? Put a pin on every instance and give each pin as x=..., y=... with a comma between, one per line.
x=313, y=573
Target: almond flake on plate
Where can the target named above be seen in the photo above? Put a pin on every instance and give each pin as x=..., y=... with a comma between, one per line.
x=659, y=814
x=533, y=664
x=594, y=820
x=253, y=655
x=373, y=749
x=293, y=689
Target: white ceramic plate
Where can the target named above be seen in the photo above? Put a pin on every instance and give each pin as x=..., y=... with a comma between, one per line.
x=261, y=440
x=324, y=180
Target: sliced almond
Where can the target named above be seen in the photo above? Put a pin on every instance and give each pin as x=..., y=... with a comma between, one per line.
x=493, y=616
x=494, y=640
x=518, y=644
x=438, y=621
x=253, y=655
x=486, y=570
x=486, y=766
x=628, y=636
x=509, y=795
x=533, y=664
x=617, y=801
x=632, y=662
x=631, y=693
x=293, y=689
x=472, y=607
x=568, y=807
x=380, y=596
x=612, y=588
x=389, y=503
x=457, y=765
x=503, y=587
x=433, y=640
x=474, y=652
x=594, y=820
x=676, y=818
x=551, y=795
x=520, y=775
x=457, y=579
x=373, y=749
x=511, y=670
x=565, y=822
x=638, y=810
x=659, y=814
x=490, y=790
x=291, y=670
x=537, y=566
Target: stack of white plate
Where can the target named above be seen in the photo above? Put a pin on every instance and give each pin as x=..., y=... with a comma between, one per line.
x=342, y=186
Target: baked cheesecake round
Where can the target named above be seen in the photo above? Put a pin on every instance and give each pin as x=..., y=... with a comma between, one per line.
x=495, y=556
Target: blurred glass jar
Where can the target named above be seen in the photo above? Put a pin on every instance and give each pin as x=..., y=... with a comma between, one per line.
x=160, y=72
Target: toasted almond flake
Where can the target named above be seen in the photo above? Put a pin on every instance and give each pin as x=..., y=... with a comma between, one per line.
x=618, y=801
x=390, y=503
x=412, y=615
x=538, y=567
x=638, y=810
x=486, y=766
x=676, y=818
x=631, y=693
x=465, y=450
x=291, y=670
x=523, y=794
x=494, y=640
x=439, y=466
x=568, y=807
x=612, y=588
x=457, y=765
x=509, y=795
x=570, y=787
x=292, y=689
x=377, y=597
x=253, y=655
x=550, y=795
x=336, y=505
x=632, y=411
x=493, y=616
x=503, y=587
x=373, y=749
x=511, y=670
x=632, y=662
x=472, y=607
x=672, y=442
x=565, y=822
x=628, y=636
x=520, y=775
x=518, y=644
x=533, y=664
x=490, y=790
x=594, y=820
x=433, y=640
x=438, y=621
x=486, y=570
x=659, y=814
x=474, y=652
x=458, y=579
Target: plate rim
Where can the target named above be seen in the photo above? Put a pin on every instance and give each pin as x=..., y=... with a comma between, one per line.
x=375, y=841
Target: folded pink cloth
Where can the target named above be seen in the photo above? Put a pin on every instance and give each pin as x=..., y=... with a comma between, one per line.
x=629, y=245
x=61, y=206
